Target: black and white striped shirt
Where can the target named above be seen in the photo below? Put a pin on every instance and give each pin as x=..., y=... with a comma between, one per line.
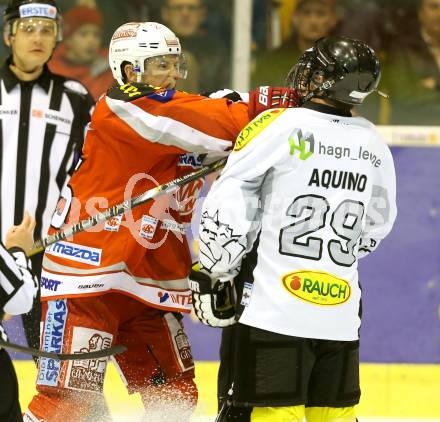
x=3, y=335
x=18, y=285
x=42, y=127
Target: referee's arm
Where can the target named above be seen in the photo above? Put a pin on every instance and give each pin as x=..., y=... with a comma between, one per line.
x=18, y=285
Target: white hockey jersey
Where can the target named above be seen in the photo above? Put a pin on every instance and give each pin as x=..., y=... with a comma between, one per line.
x=303, y=196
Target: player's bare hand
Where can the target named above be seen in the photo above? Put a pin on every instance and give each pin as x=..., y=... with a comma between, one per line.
x=22, y=236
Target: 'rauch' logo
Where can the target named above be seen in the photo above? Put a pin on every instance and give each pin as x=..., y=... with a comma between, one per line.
x=318, y=288
x=256, y=126
x=305, y=145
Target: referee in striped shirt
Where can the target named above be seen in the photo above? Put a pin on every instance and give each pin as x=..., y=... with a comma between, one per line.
x=18, y=288
x=42, y=122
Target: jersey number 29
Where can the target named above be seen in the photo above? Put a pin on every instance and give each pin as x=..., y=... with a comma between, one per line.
x=310, y=213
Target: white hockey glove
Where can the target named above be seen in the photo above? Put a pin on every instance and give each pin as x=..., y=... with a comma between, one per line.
x=231, y=95
x=213, y=300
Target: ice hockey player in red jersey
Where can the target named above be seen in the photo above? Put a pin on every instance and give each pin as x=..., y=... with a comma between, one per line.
x=125, y=281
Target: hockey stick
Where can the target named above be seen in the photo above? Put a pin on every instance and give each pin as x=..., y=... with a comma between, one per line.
x=117, y=209
x=114, y=350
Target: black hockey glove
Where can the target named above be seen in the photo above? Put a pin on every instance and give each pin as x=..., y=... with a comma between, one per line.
x=213, y=300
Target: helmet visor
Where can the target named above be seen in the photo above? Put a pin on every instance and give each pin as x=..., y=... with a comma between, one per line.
x=166, y=65
x=30, y=26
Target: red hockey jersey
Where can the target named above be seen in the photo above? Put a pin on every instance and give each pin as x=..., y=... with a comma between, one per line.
x=139, y=137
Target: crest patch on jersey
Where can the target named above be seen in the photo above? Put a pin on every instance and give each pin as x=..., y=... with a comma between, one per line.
x=247, y=293
x=317, y=287
x=256, y=126
x=113, y=224
x=148, y=227
x=163, y=96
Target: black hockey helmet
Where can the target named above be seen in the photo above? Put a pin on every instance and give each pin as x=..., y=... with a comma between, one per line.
x=17, y=9
x=341, y=69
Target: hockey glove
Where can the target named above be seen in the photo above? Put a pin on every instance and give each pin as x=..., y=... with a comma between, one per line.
x=266, y=97
x=213, y=300
x=227, y=93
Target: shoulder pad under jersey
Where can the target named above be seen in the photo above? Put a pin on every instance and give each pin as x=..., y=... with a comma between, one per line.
x=75, y=86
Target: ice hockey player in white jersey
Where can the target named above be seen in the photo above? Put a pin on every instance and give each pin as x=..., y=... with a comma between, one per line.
x=305, y=194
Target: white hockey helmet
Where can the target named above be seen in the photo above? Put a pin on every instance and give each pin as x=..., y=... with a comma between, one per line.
x=134, y=42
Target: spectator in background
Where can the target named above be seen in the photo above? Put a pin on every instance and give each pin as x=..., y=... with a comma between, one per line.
x=373, y=23
x=365, y=21
x=81, y=56
x=311, y=20
x=207, y=55
x=414, y=70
